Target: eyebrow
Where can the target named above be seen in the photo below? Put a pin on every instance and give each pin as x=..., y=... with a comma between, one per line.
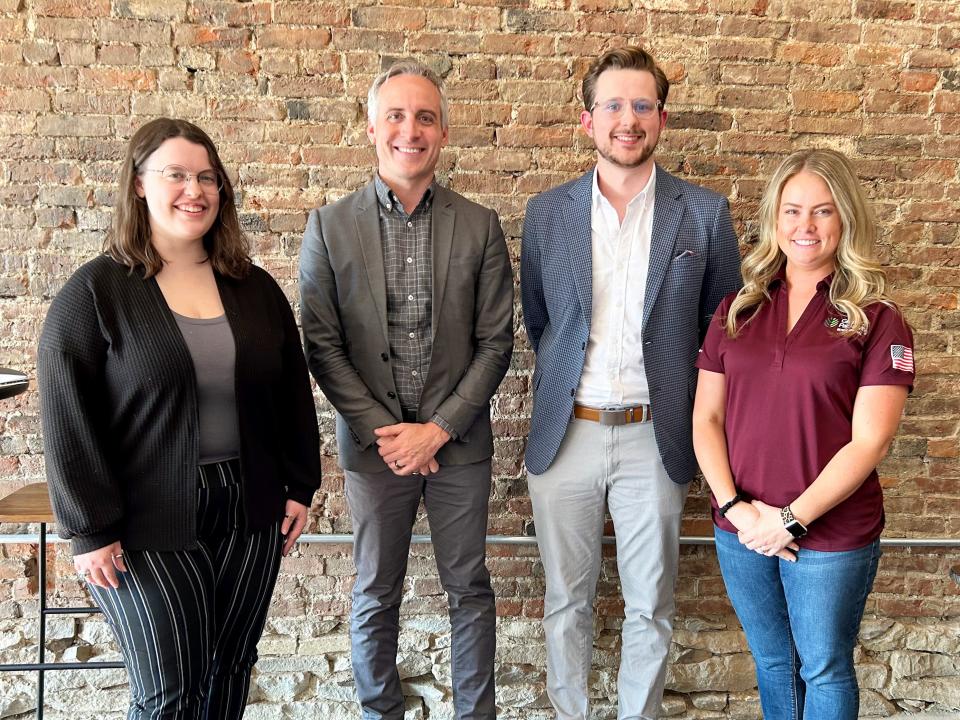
x=417, y=112
x=818, y=205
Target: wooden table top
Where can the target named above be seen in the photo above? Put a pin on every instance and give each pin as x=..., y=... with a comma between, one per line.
x=30, y=503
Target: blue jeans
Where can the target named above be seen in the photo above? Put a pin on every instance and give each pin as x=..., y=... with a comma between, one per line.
x=801, y=620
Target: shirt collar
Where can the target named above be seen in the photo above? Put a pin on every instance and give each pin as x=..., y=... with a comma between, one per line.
x=780, y=280
x=388, y=200
x=645, y=196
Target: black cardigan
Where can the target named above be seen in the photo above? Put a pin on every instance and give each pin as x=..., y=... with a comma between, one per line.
x=118, y=406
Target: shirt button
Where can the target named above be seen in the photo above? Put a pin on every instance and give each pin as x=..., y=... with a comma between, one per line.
x=389, y=206
x=411, y=335
x=414, y=373
x=410, y=297
x=409, y=224
x=409, y=260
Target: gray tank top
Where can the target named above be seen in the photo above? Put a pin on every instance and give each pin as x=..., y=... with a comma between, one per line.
x=211, y=346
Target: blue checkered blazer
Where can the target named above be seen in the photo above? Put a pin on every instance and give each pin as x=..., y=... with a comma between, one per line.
x=694, y=262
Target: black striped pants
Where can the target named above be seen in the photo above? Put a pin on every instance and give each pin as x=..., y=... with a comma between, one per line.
x=188, y=621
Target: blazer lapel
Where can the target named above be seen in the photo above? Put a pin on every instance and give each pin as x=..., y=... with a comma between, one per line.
x=575, y=222
x=371, y=247
x=667, y=213
x=441, y=226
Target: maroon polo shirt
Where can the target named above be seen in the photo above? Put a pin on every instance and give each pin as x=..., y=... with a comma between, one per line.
x=790, y=404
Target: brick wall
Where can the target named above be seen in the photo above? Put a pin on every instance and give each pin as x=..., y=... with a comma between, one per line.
x=280, y=86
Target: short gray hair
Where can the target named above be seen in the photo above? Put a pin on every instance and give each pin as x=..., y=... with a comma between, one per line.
x=406, y=67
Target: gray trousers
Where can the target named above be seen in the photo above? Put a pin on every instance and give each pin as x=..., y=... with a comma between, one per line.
x=383, y=507
x=618, y=466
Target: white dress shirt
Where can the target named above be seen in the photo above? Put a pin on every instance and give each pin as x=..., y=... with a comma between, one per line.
x=613, y=372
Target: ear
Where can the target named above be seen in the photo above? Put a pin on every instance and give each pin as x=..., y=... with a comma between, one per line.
x=586, y=122
x=138, y=187
x=371, y=133
x=444, y=137
x=663, y=119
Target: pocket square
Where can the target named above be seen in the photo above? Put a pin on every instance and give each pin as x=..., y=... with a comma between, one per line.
x=685, y=254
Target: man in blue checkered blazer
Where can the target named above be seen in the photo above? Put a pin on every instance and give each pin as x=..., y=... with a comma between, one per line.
x=621, y=271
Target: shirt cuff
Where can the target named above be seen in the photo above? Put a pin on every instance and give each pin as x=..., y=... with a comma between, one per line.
x=444, y=425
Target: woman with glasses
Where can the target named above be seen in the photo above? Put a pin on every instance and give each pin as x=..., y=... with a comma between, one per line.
x=803, y=378
x=179, y=429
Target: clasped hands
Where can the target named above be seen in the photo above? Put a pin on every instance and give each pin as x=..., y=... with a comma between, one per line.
x=409, y=448
x=760, y=528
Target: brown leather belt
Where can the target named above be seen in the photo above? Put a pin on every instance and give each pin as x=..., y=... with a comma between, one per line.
x=636, y=414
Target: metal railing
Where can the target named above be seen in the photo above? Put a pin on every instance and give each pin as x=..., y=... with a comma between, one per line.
x=347, y=539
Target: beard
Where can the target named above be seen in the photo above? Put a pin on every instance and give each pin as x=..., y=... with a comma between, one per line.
x=626, y=158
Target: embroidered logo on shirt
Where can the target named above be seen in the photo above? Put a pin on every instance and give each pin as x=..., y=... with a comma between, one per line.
x=902, y=358
x=842, y=325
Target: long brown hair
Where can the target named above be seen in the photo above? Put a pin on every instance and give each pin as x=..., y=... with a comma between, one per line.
x=128, y=241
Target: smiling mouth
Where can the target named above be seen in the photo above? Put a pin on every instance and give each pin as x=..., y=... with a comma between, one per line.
x=408, y=150
x=806, y=242
x=191, y=209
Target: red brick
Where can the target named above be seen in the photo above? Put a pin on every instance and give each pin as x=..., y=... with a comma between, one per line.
x=117, y=79
x=812, y=54
x=762, y=49
x=278, y=36
x=518, y=44
x=389, y=18
x=825, y=101
x=918, y=81
x=216, y=12
x=462, y=19
x=947, y=102
x=211, y=37
x=886, y=9
x=460, y=43
x=311, y=13
x=72, y=8
x=932, y=59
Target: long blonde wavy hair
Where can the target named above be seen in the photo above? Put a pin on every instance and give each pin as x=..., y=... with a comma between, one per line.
x=858, y=280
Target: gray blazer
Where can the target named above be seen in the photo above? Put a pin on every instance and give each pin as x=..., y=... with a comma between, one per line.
x=694, y=263
x=344, y=317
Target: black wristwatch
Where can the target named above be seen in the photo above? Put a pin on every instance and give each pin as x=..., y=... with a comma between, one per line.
x=791, y=524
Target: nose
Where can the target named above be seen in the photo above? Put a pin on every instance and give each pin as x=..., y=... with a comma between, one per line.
x=411, y=127
x=191, y=185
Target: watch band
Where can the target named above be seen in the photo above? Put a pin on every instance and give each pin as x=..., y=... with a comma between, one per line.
x=791, y=524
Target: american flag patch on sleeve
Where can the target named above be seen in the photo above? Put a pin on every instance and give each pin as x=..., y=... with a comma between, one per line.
x=902, y=358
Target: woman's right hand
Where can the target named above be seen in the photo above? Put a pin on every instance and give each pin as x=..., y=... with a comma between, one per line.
x=99, y=566
x=744, y=516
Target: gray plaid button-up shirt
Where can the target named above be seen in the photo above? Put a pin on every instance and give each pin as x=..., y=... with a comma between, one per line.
x=408, y=269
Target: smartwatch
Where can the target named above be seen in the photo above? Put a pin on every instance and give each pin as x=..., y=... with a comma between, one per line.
x=791, y=524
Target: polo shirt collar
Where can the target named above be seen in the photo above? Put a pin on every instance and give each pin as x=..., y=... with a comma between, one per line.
x=780, y=279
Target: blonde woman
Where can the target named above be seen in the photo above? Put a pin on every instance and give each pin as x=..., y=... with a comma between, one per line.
x=803, y=377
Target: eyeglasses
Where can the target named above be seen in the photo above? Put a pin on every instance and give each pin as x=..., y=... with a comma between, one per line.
x=641, y=108
x=209, y=180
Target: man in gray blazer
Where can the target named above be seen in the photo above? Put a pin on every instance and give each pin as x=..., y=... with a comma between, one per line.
x=407, y=301
x=621, y=271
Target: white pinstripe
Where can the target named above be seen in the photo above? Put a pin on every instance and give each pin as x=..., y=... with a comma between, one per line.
x=170, y=626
